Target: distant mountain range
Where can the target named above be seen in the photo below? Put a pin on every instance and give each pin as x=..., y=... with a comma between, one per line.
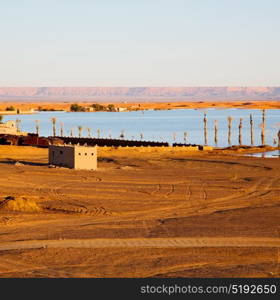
x=135, y=93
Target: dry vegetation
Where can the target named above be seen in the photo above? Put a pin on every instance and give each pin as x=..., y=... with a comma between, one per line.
x=196, y=214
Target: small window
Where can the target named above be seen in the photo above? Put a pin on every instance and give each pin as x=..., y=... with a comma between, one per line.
x=61, y=152
x=85, y=153
x=79, y=153
x=92, y=154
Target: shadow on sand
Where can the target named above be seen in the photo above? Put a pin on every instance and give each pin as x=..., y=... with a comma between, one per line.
x=22, y=162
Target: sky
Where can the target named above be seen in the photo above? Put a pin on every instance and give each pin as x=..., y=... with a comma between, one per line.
x=139, y=43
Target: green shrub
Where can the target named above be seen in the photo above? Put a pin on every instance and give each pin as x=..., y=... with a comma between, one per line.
x=10, y=108
x=76, y=108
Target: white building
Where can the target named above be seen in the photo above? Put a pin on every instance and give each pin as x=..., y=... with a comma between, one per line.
x=73, y=156
x=10, y=128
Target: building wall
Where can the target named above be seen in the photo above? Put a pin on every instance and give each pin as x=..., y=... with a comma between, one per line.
x=8, y=128
x=74, y=157
x=61, y=156
x=85, y=158
x=120, y=109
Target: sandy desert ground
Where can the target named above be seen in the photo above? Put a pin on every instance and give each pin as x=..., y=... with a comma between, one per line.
x=146, y=212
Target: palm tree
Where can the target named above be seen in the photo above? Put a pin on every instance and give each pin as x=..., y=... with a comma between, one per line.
x=37, y=126
x=263, y=127
x=18, y=122
x=89, y=132
x=61, y=129
x=252, y=130
x=54, y=125
x=80, y=129
x=185, y=137
x=205, y=129
x=122, y=134
x=229, y=129
x=240, y=131
x=216, y=132
x=71, y=132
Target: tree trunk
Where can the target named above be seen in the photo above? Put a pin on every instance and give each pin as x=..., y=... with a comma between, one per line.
x=61, y=129
x=229, y=130
x=185, y=137
x=240, y=131
x=89, y=132
x=54, y=126
x=216, y=132
x=37, y=122
x=80, y=129
x=263, y=127
x=252, y=130
x=205, y=130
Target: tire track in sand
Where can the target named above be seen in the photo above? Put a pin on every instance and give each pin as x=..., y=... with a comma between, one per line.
x=145, y=242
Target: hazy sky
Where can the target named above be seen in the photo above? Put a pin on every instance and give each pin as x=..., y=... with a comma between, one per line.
x=139, y=42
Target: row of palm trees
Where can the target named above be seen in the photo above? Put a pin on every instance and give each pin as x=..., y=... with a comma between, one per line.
x=80, y=130
x=122, y=134
x=89, y=132
x=240, y=127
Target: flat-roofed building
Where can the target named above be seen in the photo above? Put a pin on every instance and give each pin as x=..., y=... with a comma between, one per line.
x=120, y=109
x=10, y=128
x=73, y=156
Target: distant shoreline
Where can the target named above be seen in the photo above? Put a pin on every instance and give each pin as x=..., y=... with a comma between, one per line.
x=25, y=107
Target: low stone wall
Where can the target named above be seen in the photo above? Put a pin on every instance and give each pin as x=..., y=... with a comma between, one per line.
x=111, y=142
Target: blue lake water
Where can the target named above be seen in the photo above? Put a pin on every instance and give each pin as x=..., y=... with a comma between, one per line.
x=272, y=154
x=159, y=125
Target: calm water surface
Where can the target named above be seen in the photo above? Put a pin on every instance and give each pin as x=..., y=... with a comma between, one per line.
x=161, y=125
x=272, y=154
